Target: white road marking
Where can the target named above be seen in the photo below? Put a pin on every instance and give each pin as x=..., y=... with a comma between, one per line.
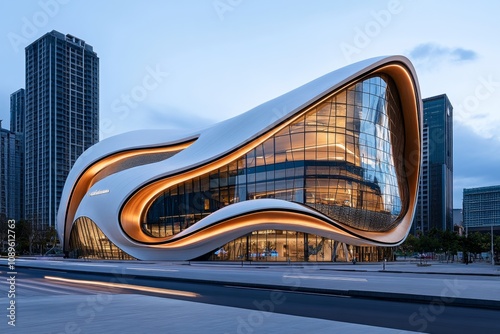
x=94, y=265
x=332, y=278
x=150, y=269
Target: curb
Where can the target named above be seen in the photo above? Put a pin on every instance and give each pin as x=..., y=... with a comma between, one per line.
x=413, y=272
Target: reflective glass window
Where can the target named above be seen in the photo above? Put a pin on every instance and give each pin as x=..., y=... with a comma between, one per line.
x=341, y=157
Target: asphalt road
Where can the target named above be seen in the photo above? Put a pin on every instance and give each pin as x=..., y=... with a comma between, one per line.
x=436, y=317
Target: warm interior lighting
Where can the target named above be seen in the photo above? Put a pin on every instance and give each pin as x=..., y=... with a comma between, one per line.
x=134, y=210
x=274, y=219
x=302, y=148
x=125, y=286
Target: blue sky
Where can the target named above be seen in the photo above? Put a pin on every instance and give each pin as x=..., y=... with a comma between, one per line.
x=177, y=64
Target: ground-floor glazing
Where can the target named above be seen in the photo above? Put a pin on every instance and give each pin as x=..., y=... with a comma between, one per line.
x=278, y=245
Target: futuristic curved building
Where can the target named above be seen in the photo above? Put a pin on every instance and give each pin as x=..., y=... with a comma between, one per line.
x=335, y=161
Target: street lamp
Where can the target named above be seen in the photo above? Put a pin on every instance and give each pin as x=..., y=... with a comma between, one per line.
x=492, y=251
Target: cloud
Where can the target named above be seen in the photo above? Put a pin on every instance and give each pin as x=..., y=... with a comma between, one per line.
x=174, y=118
x=432, y=54
x=475, y=161
x=153, y=117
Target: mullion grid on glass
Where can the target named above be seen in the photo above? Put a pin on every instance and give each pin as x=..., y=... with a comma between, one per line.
x=347, y=109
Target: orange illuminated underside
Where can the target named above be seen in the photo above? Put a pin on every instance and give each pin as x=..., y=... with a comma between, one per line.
x=86, y=180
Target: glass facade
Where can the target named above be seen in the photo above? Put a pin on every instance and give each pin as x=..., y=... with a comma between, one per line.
x=88, y=241
x=336, y=157
x=278, y=245
x=11, y=157
x=435, y=196
x=17, y=107
x=481, y=208
x=61, y=118
x=14, y=159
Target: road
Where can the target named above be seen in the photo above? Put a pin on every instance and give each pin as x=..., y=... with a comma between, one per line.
x=437, y=317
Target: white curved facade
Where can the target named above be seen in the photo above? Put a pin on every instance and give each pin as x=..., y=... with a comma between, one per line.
x=115, y=182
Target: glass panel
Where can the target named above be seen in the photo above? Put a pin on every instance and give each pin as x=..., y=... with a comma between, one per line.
x=88, y=241
x=269, y=152
x=282, y=144
x=348, y=144
x=259, y=156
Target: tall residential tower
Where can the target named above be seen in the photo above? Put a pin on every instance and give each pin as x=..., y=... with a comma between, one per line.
x=61, y=120
x=11, y=158
x=17, y=110
x=12, y=176
x=435, y=196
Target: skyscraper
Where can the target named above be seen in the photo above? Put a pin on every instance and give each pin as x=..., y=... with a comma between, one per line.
x=15, y=184
x=17, y=110
x=435, y=197
x=11, y=151
x=62, y=117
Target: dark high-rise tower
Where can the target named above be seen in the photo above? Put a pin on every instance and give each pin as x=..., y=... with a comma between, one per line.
x=11, y=157
x=15, y=183
x=435, y=197
x=17, y=110
x=62, y=117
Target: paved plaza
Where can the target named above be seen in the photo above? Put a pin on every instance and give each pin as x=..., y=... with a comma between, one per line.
x=474, y=285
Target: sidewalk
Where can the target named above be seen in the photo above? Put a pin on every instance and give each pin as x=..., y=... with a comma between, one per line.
x=133, y=313
x=473, y=285
x=432, y=267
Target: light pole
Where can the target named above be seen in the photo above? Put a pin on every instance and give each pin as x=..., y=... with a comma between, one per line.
x=492, y=250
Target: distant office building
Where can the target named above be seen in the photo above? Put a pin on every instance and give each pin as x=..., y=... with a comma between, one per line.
x=17, y=111
x=435, y=197
x=458, y=221
x=62, y=117
x=481, y=208
x=11, y=152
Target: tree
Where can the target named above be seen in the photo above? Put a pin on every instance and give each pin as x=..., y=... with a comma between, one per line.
x=449, y=244
x=475, y=243
x=428, y=243
x=32, y=239
x=23, y=237
x=407, y=248
x=496, y=245
x=480, y=242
